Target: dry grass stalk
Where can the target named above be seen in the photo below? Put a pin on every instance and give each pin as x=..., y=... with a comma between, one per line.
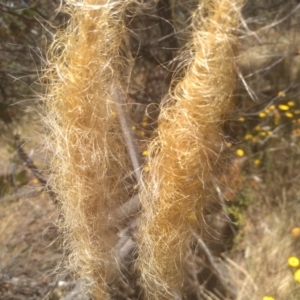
x=87, y=62
x=186, y=155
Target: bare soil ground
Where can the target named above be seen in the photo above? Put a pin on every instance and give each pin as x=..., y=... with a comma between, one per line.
x=30, y=253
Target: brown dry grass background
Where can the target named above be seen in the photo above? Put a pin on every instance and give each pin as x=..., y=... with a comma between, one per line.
x=259, y=191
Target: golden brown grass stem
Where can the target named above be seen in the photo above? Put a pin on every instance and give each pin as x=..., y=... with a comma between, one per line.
x=185, y=157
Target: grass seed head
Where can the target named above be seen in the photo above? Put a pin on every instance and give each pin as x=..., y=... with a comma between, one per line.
x=185, y=157
x=86, y=62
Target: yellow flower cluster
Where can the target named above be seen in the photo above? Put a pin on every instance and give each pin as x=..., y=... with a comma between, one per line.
x=259, y=132
x=294, y=262
x=143, y=128
x=277, y=112
x=269, y=118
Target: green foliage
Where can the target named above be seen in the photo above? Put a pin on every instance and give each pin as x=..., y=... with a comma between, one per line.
x=243, y=200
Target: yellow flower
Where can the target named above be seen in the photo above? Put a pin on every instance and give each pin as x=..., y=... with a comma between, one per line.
x=241, y=119
x=291, y=103
x=145, y=153
x=248, y=137
x=288, y=114
x=146, y=169
x=145, y=124
x=133, y=127
x=297, y=275
x=257, y=162
x=293, y=261
x=141, y=133
x=297, y=112
x=272, y=107
x=268, y=298
x=282, y=94
x=240, y=152
x=229, y=144
x=257, y=128
x=295, y=232
x=283, y=107
x=262, y=133
x=262, y=114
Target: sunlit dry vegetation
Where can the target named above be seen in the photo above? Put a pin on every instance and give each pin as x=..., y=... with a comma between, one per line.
x=169, y=165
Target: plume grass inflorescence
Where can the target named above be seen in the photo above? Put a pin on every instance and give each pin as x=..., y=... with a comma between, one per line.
x=87, y=62
x=185, y=157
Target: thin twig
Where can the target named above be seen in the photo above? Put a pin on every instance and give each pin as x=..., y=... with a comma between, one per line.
x=131, y=143
x=215, y=268
x=191, y=269
x=131, y=207
x=17, y=196
x=126, y=242
x=221, y=198
x=33, y=168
